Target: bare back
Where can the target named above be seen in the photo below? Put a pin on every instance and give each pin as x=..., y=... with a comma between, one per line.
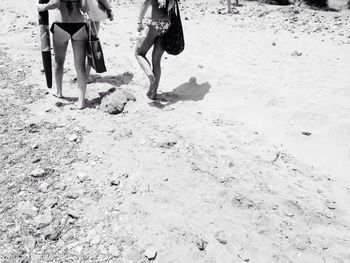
x=154, y=12
x=69, y=12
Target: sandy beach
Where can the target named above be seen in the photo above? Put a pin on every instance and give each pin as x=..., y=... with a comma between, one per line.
x=246, y=158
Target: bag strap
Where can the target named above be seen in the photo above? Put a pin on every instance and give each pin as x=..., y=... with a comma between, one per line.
x=90, y=22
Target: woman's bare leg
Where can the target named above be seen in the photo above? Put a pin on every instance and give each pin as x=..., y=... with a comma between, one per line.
x=142, y=46
x=96, y=30
x=79, y=44
x=156, y=59
x=60, y=43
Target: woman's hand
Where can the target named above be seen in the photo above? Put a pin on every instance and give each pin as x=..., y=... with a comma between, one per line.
x=41, y=7
x=110, y=14
x=140, y=27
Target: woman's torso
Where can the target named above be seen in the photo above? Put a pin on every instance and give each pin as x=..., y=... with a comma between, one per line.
x=68, y=12
x=154, y=12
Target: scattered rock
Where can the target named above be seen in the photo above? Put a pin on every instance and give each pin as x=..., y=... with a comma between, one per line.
x=73, y=138
x=43, y=187
x=242, y=255
x=38, y=173
x=95, y=240
x=26, y=208
x=115, y=183
x=115, y=102
x=43, y=220
x=114, y=251
x=83, y=177
x=221, y=237
x=36, y=160
x=73, y=214
x=29, y=243
x=150, y=253
x=330, y=204
x=296, y=53
x=201, y=244
x=306, y=133
x=51, y=233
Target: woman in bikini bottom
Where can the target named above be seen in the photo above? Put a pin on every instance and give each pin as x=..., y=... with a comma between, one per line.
x=69, y=25
x=154, y=27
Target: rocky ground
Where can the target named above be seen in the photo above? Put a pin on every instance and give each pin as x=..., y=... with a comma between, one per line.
x=163, y=182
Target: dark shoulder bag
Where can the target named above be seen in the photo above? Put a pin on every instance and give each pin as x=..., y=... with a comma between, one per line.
x=173, y=39
x=94, y=49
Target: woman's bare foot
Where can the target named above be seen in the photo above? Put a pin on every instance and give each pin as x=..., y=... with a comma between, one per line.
x=152, y=91
x=80, y=104
x=58, y=95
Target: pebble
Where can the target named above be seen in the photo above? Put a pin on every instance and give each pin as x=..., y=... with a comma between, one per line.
x=150, y=253
x=73, y=138
x=38, y=173
x=73, y=214
x=50, y=202
x=83, y=177
x=306, y=133
x=115, y=182
x=43, y=220
x=36, y=160
x=114, y=251
x=296, y=53
x=242, y=255
x=221, y=237
x=43, y=187
x=29, y=243
x=26, y=208
x=95, y=240
x=51, y=233
x=201, y=244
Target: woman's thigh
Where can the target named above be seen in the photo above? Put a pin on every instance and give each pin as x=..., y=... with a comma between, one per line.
x=145, y=42
x=79, y=52
x=60, y=43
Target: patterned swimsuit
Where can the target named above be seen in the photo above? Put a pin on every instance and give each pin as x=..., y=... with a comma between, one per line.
x=161, y=26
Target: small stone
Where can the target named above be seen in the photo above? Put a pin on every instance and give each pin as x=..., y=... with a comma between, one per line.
x=296, y=53
x=330, y=204
x=73, y=138
x=26, y=208
x=242, y=255
x=36, y=160
x=34, y=146
x=115, y=183
x=289, y=214
x=221, y=237
x=43, y=187
x=306, y=133
x=134, y=190
x=201, y=244
x=95, y=240
x=29, y=243
x=51, y=233
x=83, y=177
x=150, y=253
x=38, y=173
x=72, y=195
x=73, y=214
x=50, y=203
x=114, y=251
x=43, y=220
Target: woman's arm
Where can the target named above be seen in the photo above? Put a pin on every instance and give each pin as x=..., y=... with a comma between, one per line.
x=105, y=4
x=143, y=10
x=52, y=4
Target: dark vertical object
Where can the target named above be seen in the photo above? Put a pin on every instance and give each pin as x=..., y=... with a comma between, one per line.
x=45, y=44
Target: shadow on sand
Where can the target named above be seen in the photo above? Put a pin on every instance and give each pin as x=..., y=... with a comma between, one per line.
x=114, y=80
x=189, y=91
